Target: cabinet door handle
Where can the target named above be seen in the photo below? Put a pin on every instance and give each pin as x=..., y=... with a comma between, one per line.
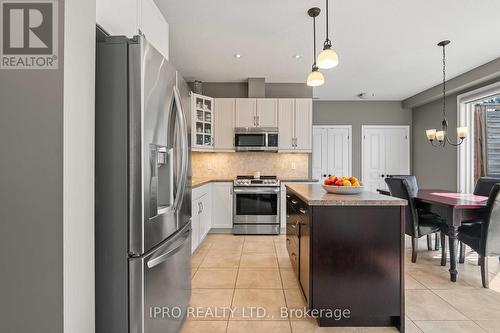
x=201, y=203
x=258, y=121
x=199, y=208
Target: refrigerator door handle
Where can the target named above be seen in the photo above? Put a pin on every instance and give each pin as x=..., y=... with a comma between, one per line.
x=184, y=152
x=176, y=246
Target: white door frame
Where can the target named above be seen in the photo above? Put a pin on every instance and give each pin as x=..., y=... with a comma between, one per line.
x=465, y=156
x=363, y=127
x=349, y=128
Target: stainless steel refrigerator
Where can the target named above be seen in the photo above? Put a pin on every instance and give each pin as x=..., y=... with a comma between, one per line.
x=143, y=189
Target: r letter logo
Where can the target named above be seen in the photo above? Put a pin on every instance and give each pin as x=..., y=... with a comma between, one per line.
x=29, y=34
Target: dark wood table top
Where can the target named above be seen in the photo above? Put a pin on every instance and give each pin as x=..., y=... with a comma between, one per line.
x=451, y=199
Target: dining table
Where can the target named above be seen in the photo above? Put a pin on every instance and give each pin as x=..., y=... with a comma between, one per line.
x=454, y=208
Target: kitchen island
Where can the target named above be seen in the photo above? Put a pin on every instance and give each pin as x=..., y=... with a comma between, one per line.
x=348, y=255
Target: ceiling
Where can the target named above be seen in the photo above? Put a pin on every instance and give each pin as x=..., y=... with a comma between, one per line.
x=385, y=47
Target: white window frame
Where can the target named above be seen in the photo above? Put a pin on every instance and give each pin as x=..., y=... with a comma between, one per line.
x=465, y=156
x=349, y=128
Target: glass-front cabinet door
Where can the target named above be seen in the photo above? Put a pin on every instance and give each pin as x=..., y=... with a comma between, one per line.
x=203, y=122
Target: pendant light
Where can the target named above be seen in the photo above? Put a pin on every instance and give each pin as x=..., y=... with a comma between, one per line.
x=441, y=136
x=327, y=58
x=315, y=78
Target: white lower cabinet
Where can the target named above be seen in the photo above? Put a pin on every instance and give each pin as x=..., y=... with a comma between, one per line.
x=201, y=212
x=222, y=205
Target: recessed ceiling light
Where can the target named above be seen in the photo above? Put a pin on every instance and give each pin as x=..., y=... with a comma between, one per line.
x=237, y=55
x=296, y=56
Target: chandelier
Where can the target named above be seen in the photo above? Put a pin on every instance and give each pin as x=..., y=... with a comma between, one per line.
x=441, y=138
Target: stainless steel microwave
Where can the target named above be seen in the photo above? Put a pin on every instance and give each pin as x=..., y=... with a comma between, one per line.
x=256, y=139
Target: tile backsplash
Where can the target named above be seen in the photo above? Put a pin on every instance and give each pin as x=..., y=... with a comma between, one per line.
x=224, y=165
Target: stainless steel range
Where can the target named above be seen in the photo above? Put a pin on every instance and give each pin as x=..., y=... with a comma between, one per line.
x=256, y=205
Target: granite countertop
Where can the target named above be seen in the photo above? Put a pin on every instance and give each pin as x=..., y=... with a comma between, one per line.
x=298, y=180
x=200, y=181
x=197, y=182
x=315, y=195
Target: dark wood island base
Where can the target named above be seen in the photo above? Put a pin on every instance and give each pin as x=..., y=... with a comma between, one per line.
x=348, y=254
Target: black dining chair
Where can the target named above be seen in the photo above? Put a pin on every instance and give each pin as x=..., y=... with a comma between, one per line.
x=484, y=238
x=483, y=187
x=418, y=223
x=429, y=239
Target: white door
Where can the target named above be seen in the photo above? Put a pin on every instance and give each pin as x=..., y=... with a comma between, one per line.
x=386, y=151
x=224, y=123
x=397, y=144
x=267, y=112
x=303, y=124
x=222, y=205
x=320, y=153
x=246, y=112
x=331, y=153
x=286, y=123
x=339, y=151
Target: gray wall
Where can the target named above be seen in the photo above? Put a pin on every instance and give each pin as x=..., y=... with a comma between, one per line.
x=358, y=113
x=240, y=90
x=436, y=167
x=31, y=198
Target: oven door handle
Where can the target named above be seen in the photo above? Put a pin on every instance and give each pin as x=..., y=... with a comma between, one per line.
x=256, y=191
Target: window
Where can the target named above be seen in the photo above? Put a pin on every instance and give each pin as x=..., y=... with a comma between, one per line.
x=492, y=146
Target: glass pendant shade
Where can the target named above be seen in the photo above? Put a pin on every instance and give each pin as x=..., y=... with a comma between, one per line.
x=462, y=132
x=431, y=134
x=327, y=59
x=440, y=135
x=315, y=78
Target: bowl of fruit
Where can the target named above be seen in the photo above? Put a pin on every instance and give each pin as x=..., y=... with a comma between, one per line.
x=343, y=185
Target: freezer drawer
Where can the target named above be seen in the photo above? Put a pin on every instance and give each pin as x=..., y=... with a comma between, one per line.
x=160, y=286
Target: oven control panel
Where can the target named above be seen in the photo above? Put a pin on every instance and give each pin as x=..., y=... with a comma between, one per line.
x=256, y=182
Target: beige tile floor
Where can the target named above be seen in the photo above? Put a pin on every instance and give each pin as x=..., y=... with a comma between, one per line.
x=240, y=272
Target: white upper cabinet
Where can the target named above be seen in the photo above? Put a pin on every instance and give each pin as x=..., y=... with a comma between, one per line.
x=256, y=112
x=246, y=112
x=128, y=17
x=286, y=115
x=303, y=124
x=267, y=112
x=295, y=125
x=202, y=125
x=224, y=123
